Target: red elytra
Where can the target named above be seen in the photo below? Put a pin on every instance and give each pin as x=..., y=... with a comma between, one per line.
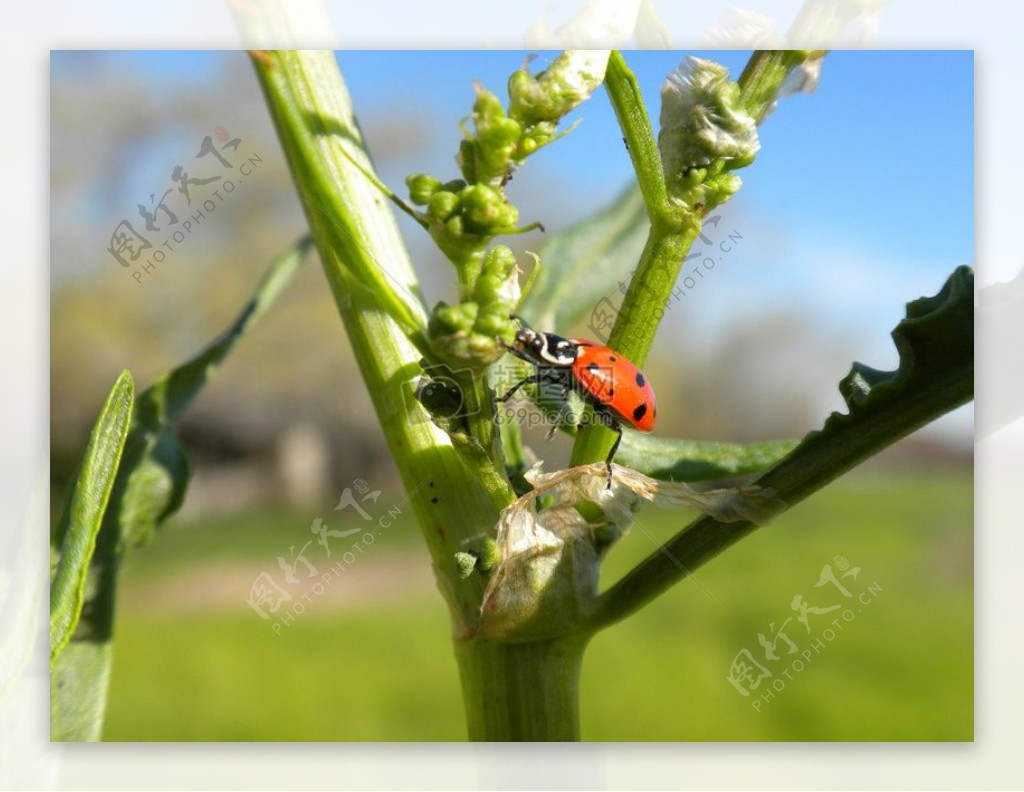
x=617, y=389
x=616, y=383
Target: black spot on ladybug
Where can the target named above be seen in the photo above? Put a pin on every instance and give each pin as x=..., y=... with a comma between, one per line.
x=612, y=358
x=640, y=379
x=640, y=412
x=611, y=393
x=433, y=500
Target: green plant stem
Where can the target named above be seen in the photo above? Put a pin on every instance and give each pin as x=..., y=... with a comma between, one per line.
x=521, y=691
x=672, y=232
x=817, y=461
x=482, y=448
x=764, y=74
x=628, y=103
x=637, y=322
x=376, y=292
x=674, y=226
x=318, y=128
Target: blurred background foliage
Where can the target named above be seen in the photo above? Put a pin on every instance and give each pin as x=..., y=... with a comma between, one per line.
x=287, y=425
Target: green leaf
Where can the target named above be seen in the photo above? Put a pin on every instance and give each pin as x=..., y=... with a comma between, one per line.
x=935, y=375
x=156, y=470
x=86, y=510
x=78, y=691
x=671, y=459
x=587, y=263
x=149, y=487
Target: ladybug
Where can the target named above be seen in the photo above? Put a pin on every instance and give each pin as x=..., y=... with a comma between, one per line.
x=617, y=390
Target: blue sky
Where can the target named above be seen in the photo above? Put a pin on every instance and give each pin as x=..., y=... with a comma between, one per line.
x=860, y=199
x=882, y=153
x=885, y=145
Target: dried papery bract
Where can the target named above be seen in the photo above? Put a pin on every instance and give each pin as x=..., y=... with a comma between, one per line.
x=548, y=572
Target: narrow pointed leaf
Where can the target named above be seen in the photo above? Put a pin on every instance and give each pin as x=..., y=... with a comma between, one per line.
x=87, y=507
x=156, y=470
x=149, y=487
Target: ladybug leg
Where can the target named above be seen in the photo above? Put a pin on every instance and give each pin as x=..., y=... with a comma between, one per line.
x=533, y=378
x=562, y=408
x=612, y=423
x=615, y=427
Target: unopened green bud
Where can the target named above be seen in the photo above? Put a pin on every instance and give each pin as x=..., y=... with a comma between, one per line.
x=492, y=324
x=723, y=187
x=485, y=210
x=714, y=191
x=466, y=159
x=453, y=318
x=486, y=156
x=693, y=177
x=466, y=334
x=486, y=104
x=569, y=81
x=465, y=564
x=497, y=271
x=453, y=227
x=484, y=556
x=421, y=188
x=489, y=554
x=496, y=146
x=497, y=291
x=442, y=204
x=540, y=134
x=498, y=264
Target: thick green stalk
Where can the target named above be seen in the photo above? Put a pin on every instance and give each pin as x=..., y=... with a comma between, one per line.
x=521, y=691
x=512, y=691
x=377, y=296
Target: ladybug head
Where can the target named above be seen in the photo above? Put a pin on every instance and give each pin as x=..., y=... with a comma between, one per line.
x=542, y=349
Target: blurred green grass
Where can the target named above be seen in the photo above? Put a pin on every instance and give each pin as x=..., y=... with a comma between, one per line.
x=381, y=666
